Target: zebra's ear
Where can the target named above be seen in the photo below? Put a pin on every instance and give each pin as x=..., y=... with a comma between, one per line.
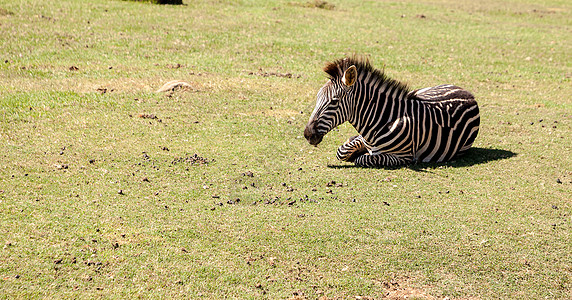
x=350, y=76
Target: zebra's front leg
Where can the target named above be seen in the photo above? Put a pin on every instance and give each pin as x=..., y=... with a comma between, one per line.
x=353, y=148
x=381, y=160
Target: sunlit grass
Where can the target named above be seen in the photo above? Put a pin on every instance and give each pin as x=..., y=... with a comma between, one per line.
x=101, y=193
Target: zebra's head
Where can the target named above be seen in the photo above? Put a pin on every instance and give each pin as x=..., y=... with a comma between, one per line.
x=331, y=105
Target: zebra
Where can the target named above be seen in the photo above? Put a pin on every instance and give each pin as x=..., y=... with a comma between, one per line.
x=396, y=125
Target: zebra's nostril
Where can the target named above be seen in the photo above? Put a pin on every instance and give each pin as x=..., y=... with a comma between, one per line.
x=309, y=130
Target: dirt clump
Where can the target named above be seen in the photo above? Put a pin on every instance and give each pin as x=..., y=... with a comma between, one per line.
x=193, y=159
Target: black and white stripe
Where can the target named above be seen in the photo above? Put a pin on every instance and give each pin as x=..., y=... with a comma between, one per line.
x=396, y=126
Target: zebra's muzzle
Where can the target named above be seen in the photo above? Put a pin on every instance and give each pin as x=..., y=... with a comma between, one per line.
x=310, y=133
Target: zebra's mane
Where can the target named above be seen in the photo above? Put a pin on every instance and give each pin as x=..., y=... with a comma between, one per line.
x=336, y=70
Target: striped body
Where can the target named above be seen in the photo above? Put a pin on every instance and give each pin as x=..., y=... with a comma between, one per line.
x=396, y=126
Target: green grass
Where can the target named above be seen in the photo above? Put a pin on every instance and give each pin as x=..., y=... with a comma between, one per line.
x=178, y=2
x=98, y=199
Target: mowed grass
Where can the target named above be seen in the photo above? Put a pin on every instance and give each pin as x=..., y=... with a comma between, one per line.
x=102, y=195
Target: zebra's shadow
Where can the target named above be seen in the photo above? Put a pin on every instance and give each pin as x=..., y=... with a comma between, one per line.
x=474, y=156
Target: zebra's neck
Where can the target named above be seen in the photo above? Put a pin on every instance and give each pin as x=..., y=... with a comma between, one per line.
x=376, y=102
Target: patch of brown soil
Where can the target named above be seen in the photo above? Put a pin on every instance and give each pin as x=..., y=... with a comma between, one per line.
x=174, y=85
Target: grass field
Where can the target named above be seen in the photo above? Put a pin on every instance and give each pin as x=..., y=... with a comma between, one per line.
x=110, y=189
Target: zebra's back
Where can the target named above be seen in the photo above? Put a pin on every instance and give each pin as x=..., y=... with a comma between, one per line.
x=447, y=122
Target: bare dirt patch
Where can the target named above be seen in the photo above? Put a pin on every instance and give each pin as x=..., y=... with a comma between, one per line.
x=315, y=4
x=407, y=293
x=274, y=74
x=192, y=159
x=175, y=85
x=5, y=12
